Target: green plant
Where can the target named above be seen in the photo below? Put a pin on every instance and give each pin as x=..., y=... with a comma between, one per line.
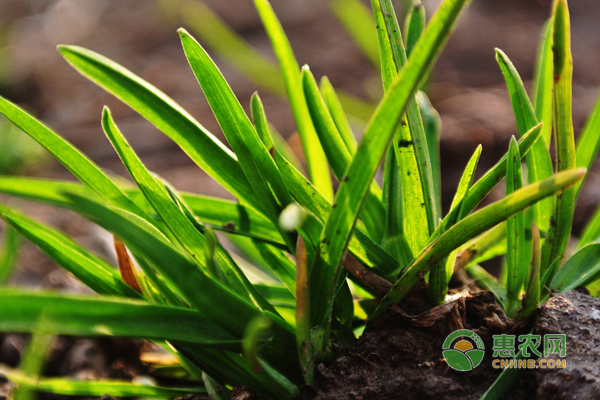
x=367, y=241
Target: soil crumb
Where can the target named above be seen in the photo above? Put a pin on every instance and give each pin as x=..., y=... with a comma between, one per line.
x=401, y=357
x=577, y=315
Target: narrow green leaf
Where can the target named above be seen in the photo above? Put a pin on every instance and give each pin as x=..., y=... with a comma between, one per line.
x=410, y=143
x=539, y=163
x=268, y=134
x=414, y=25
x=338, y=155
x=394, y=239
x=223, y=215
x=358, y=22
x=474, y=225
x=531, y=300
x=200, y=292
x=505, y=381
x=396, y=172
x=303, y=322
x=142, y=238
x=91, y=270
x=490, y=179
x=229, y=45
x=517, y=264
x=588, y=143
x=279, y=264
x=187, y=235
x=87, y=388
x=338, y=229
x=253, y=156
x=544, y=82
x=9, y=246
x=215, y=390
x=462, y=191
x=433, y=130
x=484, y=247
x=559, y=234
x=361, y=246
x=199, y=144
x=178, y=223
x=487, y=282
x=580, y=270
x=315, y=157
x=76, y=162
x=105, y=316
x=257, y=331
x=32, y=363
x=591, y=232
x=337, y=113
x=440, y=274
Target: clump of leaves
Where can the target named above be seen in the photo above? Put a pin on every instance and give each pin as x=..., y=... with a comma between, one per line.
x=329, y=257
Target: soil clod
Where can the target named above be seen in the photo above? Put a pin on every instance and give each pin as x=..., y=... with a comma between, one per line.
x=577, y=315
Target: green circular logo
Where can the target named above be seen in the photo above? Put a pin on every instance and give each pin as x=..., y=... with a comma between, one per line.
x=463, y=350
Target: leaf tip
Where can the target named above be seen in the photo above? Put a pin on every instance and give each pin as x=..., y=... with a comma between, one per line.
x=183, y=32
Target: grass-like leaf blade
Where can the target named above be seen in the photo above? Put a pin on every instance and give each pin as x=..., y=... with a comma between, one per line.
x=253, y=156
x=87, y=388
x=544, y=82
x=339, y=156
x=532, y=296
x=588, y=143
x=580, y=269
x=318, y=169
x=559, y=234
x=338, y=229
x=224, y=215
x=539, y=163
x=490, y=179
x=474, y=225
x=231, y=46
x=409, y=143
x=176, y=220
x=337, y=113
x=76, y=162
x=516, y=261
x=91, y=270
x=108, y=316
x=440, y=274
x=484, y=247
x=358, y=22
x=168, y=116
x=9, y=245
x=414, y=25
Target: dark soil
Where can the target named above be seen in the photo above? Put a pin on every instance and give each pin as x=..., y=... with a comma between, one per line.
x=577, y=315
x=401, y=357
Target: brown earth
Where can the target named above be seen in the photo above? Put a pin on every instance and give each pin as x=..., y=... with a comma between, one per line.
x=401, y=357
x=577, y=315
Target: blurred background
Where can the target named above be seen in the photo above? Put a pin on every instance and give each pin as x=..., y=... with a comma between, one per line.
x=466, y=87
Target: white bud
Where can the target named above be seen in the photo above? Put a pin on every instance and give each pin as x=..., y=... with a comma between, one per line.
x=292, y=217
